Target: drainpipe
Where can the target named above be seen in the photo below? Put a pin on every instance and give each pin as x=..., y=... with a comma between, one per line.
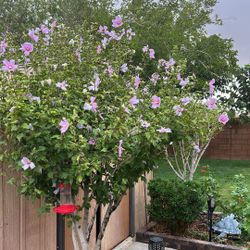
x=132, y=211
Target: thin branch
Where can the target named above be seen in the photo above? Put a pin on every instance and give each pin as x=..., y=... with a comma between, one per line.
x=86, y=210
x=91, y=223
x=202, y=152
x=184, y=158
x=180, y=175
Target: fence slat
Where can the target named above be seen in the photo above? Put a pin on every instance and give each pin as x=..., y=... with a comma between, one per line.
x=11, y=215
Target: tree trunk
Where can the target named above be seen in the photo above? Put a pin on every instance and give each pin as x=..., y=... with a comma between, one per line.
x=80, y=236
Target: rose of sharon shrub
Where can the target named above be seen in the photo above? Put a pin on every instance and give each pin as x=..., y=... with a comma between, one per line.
x=74, y=110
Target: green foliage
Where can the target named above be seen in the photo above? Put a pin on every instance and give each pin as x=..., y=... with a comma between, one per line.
x=176, y=203
x=32, y=127
x=173, y=28
x=177, y=29
x=239, y=202
x=105, y=148
x=17, y=16
x=237, y=95
x=210, y=186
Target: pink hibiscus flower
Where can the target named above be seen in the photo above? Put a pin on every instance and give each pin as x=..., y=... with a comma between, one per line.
x=145, y=49
x=9, y=65
x=44, y=29
x=3, y=46
x=155, y=102
x=27, y=48
x=27, y=163
x=211, y=103
x=186, y=100
x=64, y=125
x=211, y=87
x=62, y=85
x=94, y=85
x=92, y=105
x=133, y=101
x=33, y=36
x=223, y=119
x=151, y=53
x=137, y=82
x=117, y=22
x=178, y=110
x=91, y=142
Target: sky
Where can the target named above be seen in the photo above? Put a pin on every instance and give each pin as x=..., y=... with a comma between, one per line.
x=235, y=15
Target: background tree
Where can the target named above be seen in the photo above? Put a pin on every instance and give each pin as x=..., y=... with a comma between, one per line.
x=173, y=28
x=17, y=16
x=236, y=95
x=178, y=29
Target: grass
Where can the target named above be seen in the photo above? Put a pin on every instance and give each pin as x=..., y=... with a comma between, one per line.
x=222, y=170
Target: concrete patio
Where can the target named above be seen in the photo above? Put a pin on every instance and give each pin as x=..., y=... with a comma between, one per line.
x=129, y=244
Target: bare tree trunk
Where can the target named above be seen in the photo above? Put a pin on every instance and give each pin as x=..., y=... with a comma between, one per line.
x=75, y=238
x=79, y=235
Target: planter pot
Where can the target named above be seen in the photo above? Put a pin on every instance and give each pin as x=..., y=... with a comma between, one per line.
x=181, y=243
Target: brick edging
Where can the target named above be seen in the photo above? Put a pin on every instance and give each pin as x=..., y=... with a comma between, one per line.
x=181, y=243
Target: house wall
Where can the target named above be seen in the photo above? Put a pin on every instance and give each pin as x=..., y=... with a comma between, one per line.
x=233, y=143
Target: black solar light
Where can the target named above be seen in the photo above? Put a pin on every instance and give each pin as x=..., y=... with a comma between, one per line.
x=211, y=207
x=156, y=243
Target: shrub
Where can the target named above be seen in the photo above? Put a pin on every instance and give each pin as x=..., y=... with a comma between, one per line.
x=210, y=186
x=176, y=203
x=239, y=203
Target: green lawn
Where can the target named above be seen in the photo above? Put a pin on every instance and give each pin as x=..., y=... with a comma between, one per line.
x=222, y=170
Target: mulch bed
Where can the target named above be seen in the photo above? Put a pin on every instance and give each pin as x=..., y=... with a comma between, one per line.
x=199, y=231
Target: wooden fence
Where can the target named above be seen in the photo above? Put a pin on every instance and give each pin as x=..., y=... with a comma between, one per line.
x=22, y=228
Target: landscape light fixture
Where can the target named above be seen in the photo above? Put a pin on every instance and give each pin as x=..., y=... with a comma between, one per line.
x=156, y=243
x=211, y=207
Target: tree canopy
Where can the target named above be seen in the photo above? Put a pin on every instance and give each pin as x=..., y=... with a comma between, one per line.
x=173, y=28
